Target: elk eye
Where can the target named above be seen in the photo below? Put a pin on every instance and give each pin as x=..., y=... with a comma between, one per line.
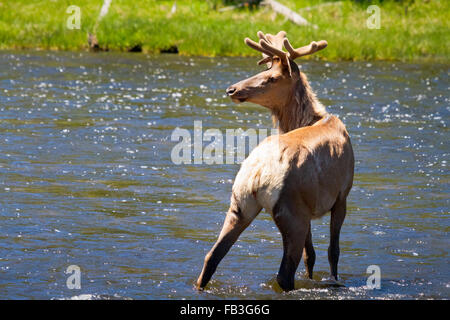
x=271, y=79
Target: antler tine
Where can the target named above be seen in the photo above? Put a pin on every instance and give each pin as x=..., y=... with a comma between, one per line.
x=303, y=51
x=252, y=44
x=290, y=49
x=275, y=52
x=262, y=36
x=265, y=58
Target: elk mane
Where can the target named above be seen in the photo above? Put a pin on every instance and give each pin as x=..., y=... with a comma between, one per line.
x=303, y=109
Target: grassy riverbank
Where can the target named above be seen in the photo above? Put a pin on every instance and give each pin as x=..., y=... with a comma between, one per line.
x=418, y=32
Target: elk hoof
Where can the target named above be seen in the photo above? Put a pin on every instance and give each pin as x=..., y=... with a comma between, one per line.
x=198, y=288
x=198, y=285
x=285, y=285
x=332, y=282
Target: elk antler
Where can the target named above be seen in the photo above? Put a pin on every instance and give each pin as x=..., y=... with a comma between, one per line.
x=268, y=46
x=303, y=51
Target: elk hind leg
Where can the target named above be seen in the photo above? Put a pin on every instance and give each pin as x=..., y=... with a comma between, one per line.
x=309, y=255
x=293, y=229
x=337, y=219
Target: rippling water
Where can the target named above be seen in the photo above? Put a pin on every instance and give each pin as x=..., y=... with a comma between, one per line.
x=86, y=179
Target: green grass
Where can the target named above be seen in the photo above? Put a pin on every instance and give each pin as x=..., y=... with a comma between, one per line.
x=197, y=29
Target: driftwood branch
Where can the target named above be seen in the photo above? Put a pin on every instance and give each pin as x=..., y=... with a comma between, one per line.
x=92, y=37
x=288, y=13
x=321, y=5
x=173, y=10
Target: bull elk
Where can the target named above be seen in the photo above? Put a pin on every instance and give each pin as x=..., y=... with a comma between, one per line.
x=298, y=175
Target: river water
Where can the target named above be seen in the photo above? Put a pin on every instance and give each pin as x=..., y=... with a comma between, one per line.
x=87, y=179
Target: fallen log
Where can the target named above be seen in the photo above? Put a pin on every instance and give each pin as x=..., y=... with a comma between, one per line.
x=288, y=13
x=322, y=5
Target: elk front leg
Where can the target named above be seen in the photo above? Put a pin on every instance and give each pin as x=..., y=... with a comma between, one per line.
x=337, y=219
x=309, y=255
x=235, y=222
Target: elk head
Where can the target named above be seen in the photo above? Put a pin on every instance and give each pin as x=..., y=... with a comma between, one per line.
x=274, y=87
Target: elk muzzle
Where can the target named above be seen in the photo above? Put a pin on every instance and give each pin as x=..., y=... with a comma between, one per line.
x=235, y=94
x=231, y=90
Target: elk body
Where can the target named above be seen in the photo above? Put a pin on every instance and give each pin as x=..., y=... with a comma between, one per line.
x=297, y=176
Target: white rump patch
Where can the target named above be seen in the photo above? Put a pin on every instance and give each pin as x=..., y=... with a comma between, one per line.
x=262, y=174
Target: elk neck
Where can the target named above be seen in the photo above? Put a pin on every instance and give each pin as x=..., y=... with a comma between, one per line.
x=302, y=108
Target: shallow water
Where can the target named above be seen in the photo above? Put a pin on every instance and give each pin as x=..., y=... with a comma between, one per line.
x=86, y=179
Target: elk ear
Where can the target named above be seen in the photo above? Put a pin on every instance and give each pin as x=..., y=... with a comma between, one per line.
x=265, y=60
x=285, y=63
